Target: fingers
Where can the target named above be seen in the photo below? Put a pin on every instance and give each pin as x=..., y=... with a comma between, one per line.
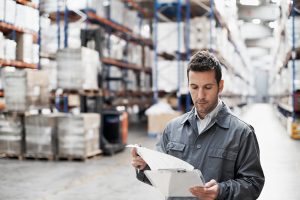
x=137, y=161
x=207, y=192
x=210, y=183
x=197, y=191
x=134, y=152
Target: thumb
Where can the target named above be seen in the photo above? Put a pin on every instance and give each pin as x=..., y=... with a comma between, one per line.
x=211, y=183
x=133, y=152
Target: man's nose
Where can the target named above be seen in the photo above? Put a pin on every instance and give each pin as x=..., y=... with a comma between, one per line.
x=200, y=93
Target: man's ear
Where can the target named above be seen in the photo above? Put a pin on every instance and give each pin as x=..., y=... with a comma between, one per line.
x=221, y=86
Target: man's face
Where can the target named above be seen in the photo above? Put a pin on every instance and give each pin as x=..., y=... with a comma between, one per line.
x=204, y=91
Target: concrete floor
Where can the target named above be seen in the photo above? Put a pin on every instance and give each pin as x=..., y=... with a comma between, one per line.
x=112, y=178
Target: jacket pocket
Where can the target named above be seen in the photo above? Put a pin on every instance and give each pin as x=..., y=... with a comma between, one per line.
x=222, y=163
x=222, y=153
x=175, y=149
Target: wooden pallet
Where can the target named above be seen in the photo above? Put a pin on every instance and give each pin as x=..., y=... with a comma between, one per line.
x=91, y=92
x=39, y=157
x=11, y=156
x=79, y=158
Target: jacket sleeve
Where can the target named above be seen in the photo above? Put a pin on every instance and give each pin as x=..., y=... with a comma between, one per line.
x=249, y=177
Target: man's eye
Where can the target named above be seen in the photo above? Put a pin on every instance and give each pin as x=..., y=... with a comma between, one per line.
x=208, y=87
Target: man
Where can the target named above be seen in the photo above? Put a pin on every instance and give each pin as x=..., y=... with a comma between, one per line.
x=212, y=139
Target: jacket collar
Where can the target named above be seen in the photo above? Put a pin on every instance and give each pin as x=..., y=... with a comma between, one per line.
x=222, y=118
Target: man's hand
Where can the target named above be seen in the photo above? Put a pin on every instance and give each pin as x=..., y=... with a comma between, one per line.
x=209, y=192
x=137, y=162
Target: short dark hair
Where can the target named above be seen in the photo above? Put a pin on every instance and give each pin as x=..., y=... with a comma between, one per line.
x=204, y=61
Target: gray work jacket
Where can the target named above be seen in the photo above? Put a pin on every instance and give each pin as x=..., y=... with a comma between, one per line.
x=227, y=151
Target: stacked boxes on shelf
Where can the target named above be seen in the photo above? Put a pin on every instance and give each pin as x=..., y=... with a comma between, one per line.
x=203, y=33
x=78, y=68
x=27, y=17
x=50, y=67
x=118, y=46
x=25, y=48
x=168, y=75
x=19, y=15
x=145, y=82
x=78, y=136
x=11, y=135
x=168, y=37
x=132, y=81
x=116, y=75
x=116, y=9
x=135, y=54
x=23, y=17
x=2, y=10
x=49, y=42
x=10, y=11
x=148, y=57
x=10, y=47
x=26, y=89
x=289, y=32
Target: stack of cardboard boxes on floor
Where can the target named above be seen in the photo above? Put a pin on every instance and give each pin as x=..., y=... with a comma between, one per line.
x=42, y=135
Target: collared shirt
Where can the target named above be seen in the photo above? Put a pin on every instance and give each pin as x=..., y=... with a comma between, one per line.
x=203, y=123
x=227, y=151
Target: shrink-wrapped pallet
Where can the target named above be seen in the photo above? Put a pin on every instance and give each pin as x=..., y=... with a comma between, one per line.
x=78, y=136
x=26, y=89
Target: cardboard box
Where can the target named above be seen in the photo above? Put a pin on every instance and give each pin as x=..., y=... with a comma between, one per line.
x=2, y=45
x=25, y=47
x=2, y=10
x=157, y=123
x=10, y=49
x=10, y=11
x=78, y=135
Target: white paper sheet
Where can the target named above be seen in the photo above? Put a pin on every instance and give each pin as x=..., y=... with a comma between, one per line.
x=157, y=160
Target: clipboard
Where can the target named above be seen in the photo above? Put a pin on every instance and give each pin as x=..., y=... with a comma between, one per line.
x=172, y=176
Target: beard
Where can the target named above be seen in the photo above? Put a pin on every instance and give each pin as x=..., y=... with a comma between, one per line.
x=204, y=107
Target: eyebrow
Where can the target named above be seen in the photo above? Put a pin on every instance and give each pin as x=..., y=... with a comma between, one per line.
x=203, y=85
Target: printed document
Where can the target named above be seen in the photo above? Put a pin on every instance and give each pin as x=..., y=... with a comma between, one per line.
x=172, y=176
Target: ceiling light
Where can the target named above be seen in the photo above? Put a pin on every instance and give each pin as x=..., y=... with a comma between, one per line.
x=256, y=21
x=250, y=2
x=272, y=24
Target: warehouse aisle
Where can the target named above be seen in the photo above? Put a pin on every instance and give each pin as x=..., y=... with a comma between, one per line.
x=112, y=178
x=279, y=154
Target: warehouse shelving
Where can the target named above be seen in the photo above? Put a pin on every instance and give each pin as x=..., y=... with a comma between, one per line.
x=124, y=65
x=12, y=29
x=18, y=64
x=112, y=28
x=285, y=95
x=126, y=33
x=27, y=3
x=198, y=9
x=7, y=28
x=136, y=6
